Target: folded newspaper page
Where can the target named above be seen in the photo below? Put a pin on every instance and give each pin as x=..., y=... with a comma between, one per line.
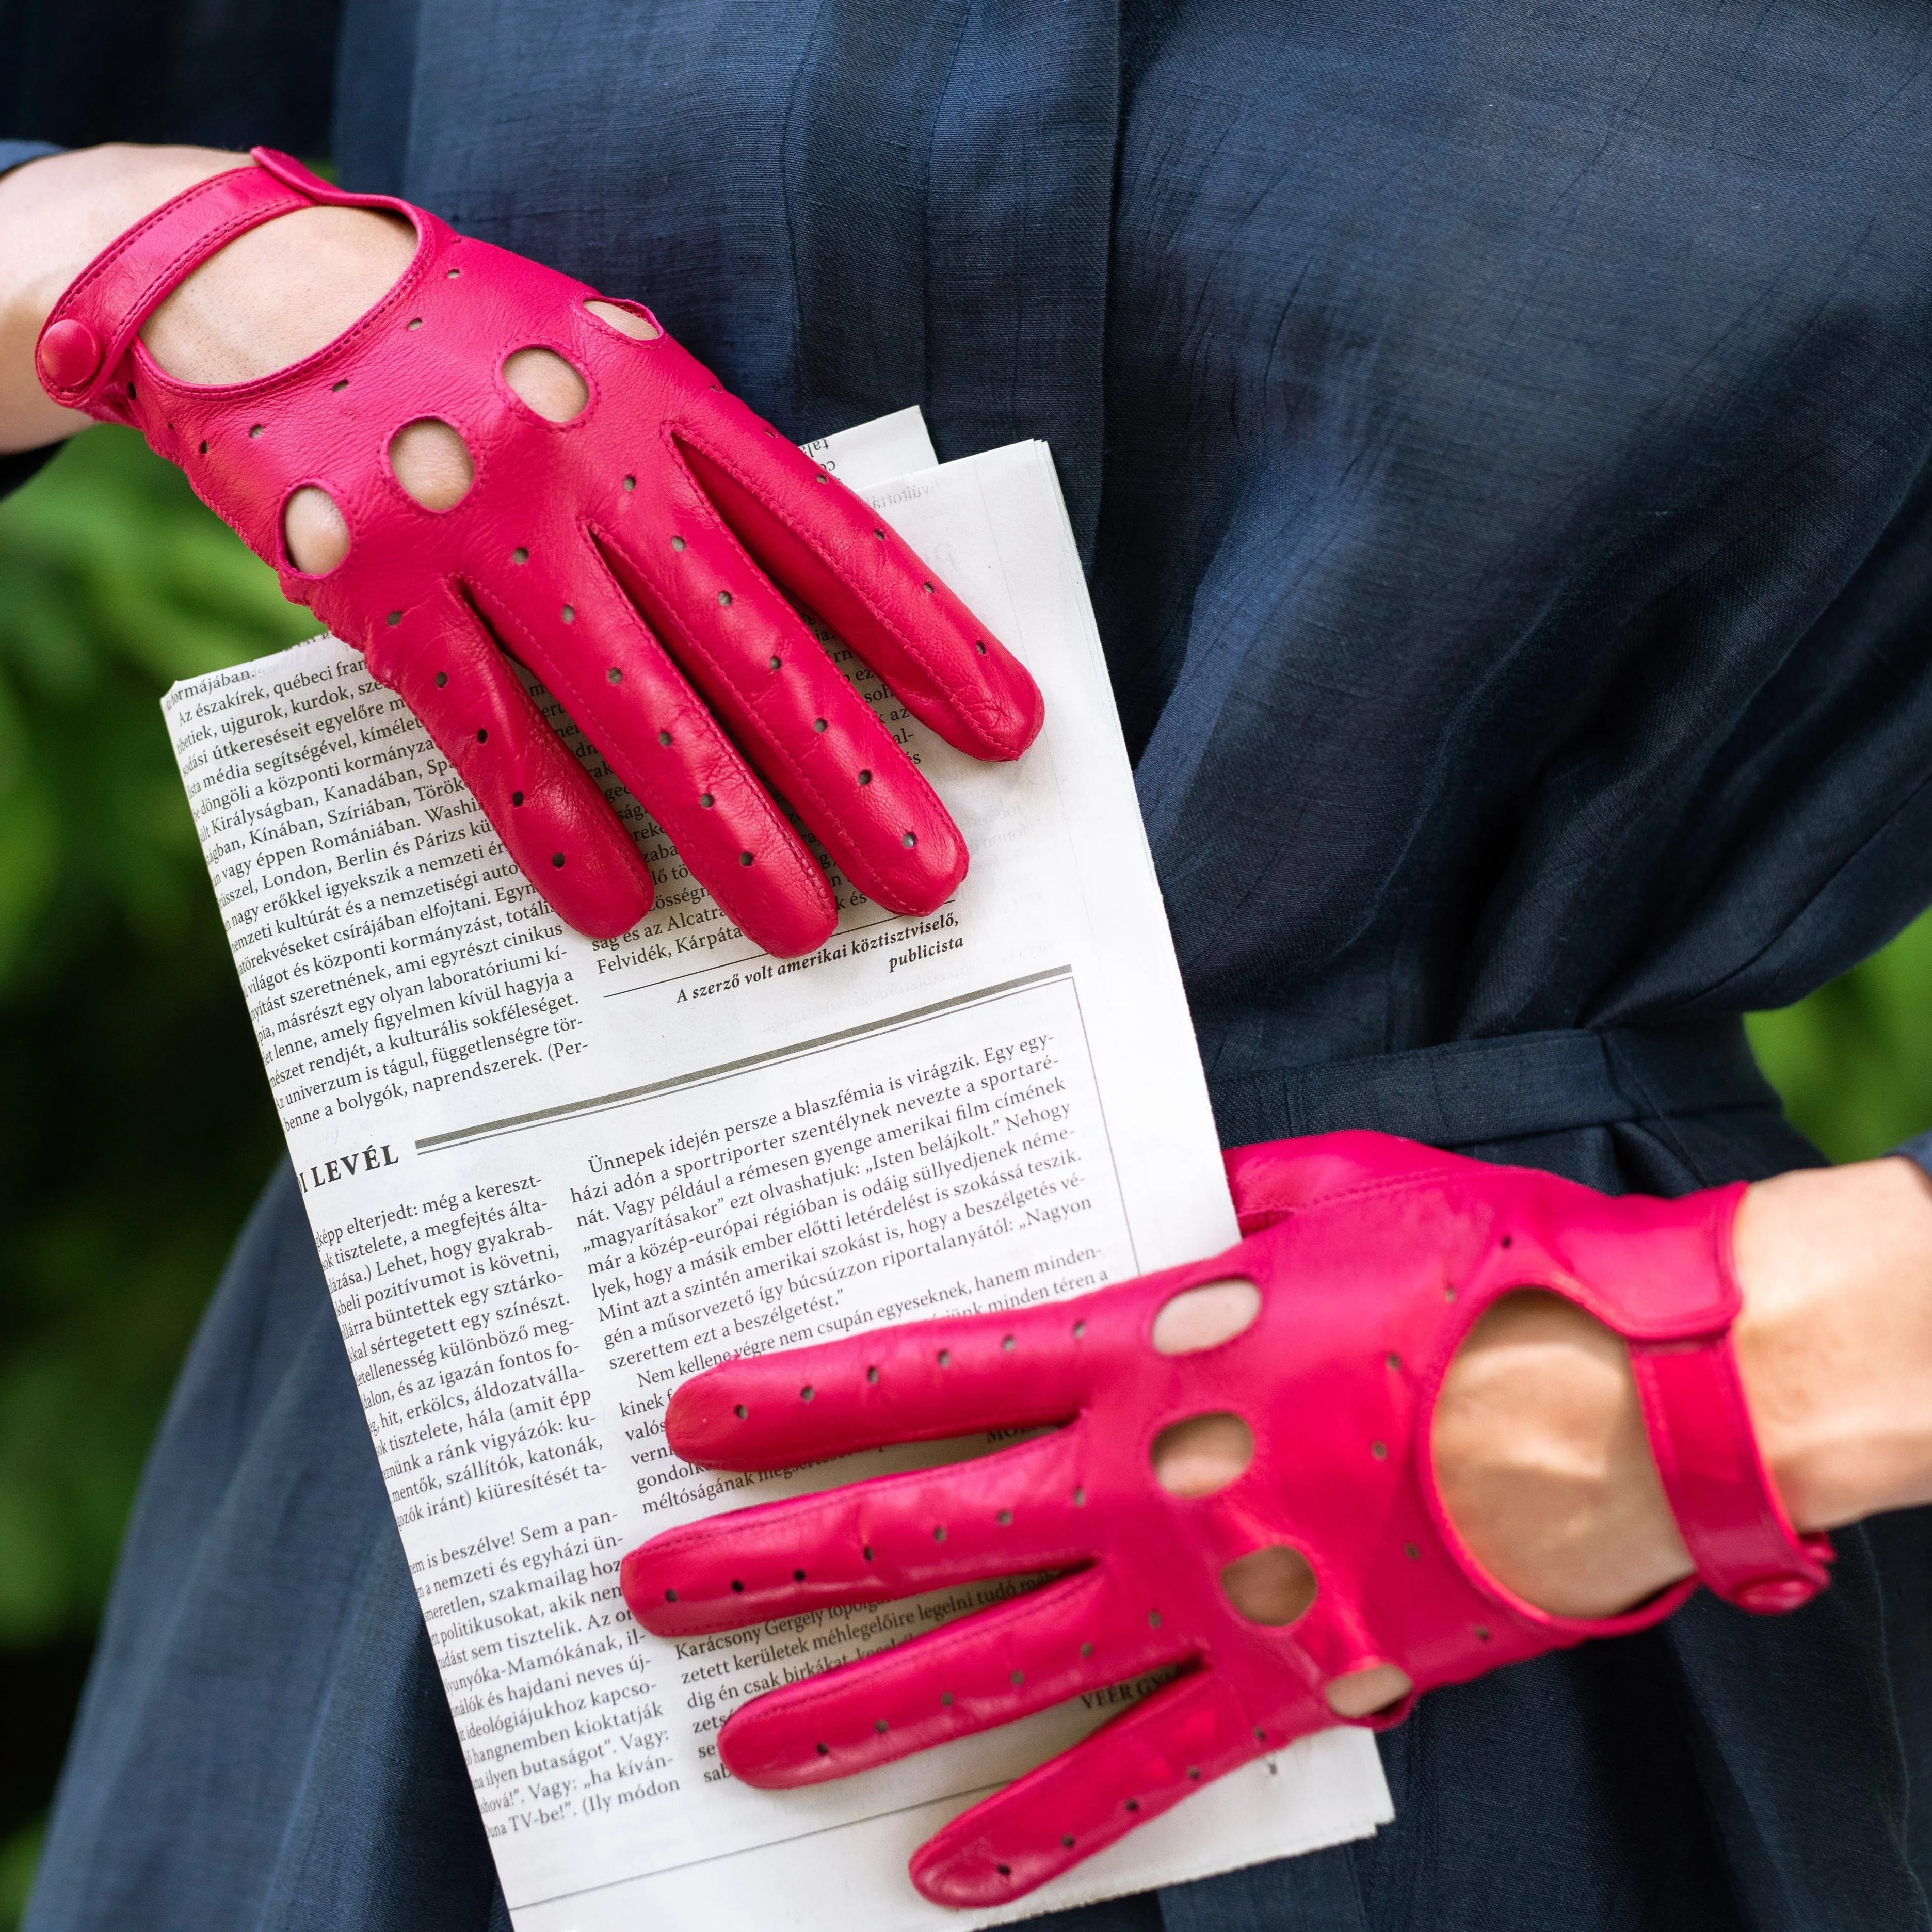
x=549, y=1177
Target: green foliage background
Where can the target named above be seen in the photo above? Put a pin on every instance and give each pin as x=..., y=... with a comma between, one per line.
x=135, y=1126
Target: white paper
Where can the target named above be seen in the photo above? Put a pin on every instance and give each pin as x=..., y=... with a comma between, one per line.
x=549, y=1177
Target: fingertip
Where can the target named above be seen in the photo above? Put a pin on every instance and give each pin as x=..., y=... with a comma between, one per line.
x=1019, y=716
x=607, y=911
x=926, y=873
x=701, y=1417
x=973, y=1875
x=768, y=1755
x=640, y=1578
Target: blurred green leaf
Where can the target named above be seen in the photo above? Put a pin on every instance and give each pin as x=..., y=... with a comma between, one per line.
x=135, y=1127
x=19, y=1852
x=1854, y=1061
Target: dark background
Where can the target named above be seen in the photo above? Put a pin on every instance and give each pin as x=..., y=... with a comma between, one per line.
x=135, y=1124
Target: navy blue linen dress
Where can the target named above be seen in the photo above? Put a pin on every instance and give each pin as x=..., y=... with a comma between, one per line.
x=1499, y=435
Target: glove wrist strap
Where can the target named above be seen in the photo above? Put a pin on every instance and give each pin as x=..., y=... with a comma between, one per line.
x=1727, y=1510
x=85, y=339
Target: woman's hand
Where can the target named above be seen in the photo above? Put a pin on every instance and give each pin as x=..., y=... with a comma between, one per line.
x=1432, y=1416
x=456, y=457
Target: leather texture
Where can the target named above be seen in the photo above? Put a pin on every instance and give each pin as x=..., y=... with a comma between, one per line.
x=1374, y=1257
x=631, y=558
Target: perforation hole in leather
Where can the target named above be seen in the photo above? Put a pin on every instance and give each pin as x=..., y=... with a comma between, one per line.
x=1202, y=1455
x=1204, y=1317
x=864, y=777
x=625, y=321
x=1272, y=1585
x=613, y=676
x=910, y=840
x=516, y=798
x=314, y=533
x=432, y=462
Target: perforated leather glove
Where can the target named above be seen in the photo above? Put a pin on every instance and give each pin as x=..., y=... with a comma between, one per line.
x=628, y=556
x=1372, y=1258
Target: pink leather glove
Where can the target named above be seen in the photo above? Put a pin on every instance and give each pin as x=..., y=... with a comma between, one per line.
x=626, y=557
x=1373, y=1258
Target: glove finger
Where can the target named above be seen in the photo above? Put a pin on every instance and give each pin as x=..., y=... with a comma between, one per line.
x=1002, y=1515
x=838, y=554
x=612, y=675
x=437, y=657
x=1141, y=1764
x=998, y=1665
x=786, y=703
x=918, y=1382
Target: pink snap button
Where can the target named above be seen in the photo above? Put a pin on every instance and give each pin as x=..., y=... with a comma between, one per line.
x=69, y=355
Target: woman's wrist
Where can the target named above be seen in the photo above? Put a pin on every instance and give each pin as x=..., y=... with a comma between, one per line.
x=1835, y=1344
x=274, y=295
x=56, y=215
x=1539, y=1442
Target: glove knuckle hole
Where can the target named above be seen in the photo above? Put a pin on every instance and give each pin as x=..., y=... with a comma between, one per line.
x=432, y=462
x=1203, y=1454
x=1205, y=1317
x=1272, y=1585
x=543, y=381
x=625, y=318
x=1368, y=1692
x=315, y=535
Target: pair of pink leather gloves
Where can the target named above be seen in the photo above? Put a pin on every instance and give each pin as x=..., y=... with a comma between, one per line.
x=629, y=557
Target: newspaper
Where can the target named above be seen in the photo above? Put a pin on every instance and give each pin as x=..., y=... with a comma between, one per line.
x=549, y=1177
